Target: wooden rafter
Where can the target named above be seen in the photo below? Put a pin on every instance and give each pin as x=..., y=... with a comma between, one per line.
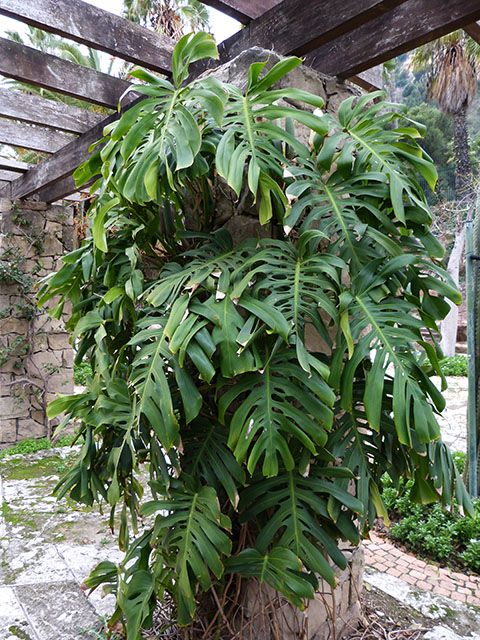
x=296, y=27
x=95, y=28
x=9, y=164
x=242, y=10
x=473, y=31
x=58, y=166
x=410, y=25
x=8, y=176
x=29, y=137
x=47, y=113
x=50, y=72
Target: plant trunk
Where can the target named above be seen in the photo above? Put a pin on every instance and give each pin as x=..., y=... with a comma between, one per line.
x=449, y=326
x=463, y=168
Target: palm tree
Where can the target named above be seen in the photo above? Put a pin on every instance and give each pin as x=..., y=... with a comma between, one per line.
x=452, y=82
x=169, y=17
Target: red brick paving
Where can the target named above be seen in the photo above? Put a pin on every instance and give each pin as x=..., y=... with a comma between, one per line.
x=383, y=556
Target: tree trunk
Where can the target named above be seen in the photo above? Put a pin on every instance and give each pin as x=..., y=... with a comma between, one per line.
x=449, y=326
x=463, y=168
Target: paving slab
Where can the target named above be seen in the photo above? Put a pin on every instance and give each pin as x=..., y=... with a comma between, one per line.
x=13, y=620
x=59, y=610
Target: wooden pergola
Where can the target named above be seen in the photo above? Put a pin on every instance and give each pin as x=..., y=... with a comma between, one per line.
x=344, y=39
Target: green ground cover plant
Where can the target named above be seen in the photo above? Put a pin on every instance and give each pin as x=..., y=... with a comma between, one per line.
x=432, y=531
x=263, y=448
x=31, y=445
x=455, y=366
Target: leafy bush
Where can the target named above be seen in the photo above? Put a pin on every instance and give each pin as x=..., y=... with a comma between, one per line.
x=200, y=361
x=80, y=373
x=429, y=529
x=456, y=366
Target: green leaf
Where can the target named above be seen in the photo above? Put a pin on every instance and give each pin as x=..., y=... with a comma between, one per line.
x=196, y=538
x=280, y=568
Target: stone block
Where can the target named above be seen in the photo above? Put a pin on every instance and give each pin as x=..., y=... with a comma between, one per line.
x=60, y=341
x=31, y=205
x=54, y=228
x=307, y=79
x=67, y=357
x=61, y=382
x=8, y=430
x=5, y=205
x=14, y=407
x=52, y=246
x=43, y=322
x=29, y=428
x=58, y=213
x=44, y=362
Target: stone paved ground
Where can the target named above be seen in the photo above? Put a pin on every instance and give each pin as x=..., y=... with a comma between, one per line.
x=453, y=422
x=48, y=547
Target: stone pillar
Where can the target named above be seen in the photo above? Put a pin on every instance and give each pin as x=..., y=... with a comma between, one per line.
x=36, y=359
x=333, y=612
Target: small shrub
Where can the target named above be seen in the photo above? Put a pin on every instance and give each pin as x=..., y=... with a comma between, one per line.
x=456, y=366
x=442, y=535
x=81, y=372
x=459, y=460
x=471, y=555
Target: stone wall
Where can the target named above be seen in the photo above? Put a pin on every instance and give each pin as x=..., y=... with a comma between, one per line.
x=36, y=359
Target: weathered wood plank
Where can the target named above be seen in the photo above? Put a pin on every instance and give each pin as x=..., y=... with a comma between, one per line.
x=58, y=166
x=370, y=80
x=44, y=70
x=10, y=164
x=95, y=27
x=242, y=10
x=473, y=31
x=47, y=113
x=296, y=27
x=30, y=137
x=404, y=28
x=8, y=176
x=60, y=190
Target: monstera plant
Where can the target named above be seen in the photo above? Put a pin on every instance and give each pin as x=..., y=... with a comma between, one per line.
x=266, y=386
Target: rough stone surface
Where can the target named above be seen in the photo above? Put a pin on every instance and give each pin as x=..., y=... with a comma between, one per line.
x=35, y=354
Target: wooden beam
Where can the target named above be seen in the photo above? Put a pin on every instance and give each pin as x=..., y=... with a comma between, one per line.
x=369, y=80
x=298, y=27
x=242, y=10
x=95, y=28
x=29, y=137
x=406, y=27
x=58, y=166
x=47, y=113
x=44, y=70
x=8, y=176
x=58, y=191
x=473, y=31
x=14, y=165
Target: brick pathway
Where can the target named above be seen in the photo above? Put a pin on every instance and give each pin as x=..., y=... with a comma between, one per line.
x=383, y=556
